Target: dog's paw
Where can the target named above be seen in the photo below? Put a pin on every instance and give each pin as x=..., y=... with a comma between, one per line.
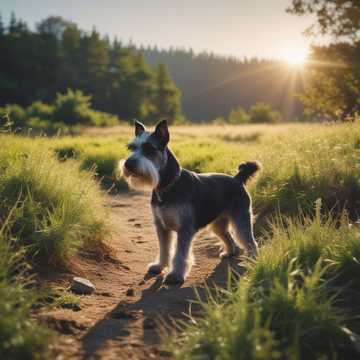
x=237, y=251
x=155, y=268
x=174, y=277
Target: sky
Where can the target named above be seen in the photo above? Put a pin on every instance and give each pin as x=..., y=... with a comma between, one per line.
x=238, y=28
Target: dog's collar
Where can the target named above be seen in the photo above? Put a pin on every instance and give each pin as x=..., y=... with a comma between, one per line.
x=159, y=191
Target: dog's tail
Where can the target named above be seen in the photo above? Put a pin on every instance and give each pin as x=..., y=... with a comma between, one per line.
x=247, y=170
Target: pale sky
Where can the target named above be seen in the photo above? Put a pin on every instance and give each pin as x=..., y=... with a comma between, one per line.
x=228, y=27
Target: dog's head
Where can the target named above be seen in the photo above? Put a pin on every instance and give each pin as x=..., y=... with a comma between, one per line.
x=148, y=156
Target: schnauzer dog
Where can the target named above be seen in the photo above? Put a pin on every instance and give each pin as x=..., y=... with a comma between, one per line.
x=183, y=201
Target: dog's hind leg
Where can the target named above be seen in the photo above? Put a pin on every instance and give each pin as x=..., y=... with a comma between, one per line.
x=220, y=227
x=165, y=249
x=183, y=258
x=241, y=221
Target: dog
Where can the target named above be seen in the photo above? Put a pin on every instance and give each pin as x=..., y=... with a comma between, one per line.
x=183, y=202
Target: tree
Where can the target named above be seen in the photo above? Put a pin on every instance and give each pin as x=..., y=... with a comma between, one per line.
x=339, y=18
x=166, y=99
x=333, y=89
x=54, y=25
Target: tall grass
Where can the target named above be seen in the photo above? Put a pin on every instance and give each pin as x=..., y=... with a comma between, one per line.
x=20, y=336
x=59, y=207
x=289, y=305
x=300, y=162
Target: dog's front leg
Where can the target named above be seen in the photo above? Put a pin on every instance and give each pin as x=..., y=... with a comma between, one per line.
x=165, y=245
x=182, y=260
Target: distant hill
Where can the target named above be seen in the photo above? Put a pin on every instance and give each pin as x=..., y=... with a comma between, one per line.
x=212, y=85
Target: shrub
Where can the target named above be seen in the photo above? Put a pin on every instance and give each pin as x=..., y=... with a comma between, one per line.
x=238, y=116
x=263, y=113
x=15, y=114
x=72, y=108
x=40, y=110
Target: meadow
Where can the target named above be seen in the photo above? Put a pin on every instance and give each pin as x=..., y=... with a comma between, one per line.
x=297, y=300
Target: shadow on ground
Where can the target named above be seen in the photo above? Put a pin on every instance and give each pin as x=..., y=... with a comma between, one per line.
x=156, y=304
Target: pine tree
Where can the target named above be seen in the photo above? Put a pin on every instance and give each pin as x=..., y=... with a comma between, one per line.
x=166, y=98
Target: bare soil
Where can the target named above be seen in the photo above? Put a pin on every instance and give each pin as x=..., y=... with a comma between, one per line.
x=125, y=317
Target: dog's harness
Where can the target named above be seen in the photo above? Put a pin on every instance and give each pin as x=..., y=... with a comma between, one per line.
x=161, y=191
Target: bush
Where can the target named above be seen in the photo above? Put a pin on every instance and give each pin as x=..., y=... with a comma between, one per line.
x=69, y=112
x=60, y=207
x=238, y=116
x=40, y=110
x=263, y=113
x=72, y=108
x=14, y=114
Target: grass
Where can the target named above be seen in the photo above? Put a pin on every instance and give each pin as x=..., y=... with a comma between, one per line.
x=48, y=210
x=20, y=336
x=291, y=304
x=59, y=207
x=302, y=162
x=296, y=301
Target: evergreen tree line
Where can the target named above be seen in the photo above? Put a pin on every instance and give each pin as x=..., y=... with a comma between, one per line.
x=40, y=64
x=212, y=85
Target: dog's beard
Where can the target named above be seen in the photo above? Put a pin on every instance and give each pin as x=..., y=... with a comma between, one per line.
x=147, y=177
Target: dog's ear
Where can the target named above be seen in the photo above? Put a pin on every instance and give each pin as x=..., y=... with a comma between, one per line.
x=162, y=132
x=139, y=128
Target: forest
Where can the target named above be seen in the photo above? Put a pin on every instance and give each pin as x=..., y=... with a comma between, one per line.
x=136, y=82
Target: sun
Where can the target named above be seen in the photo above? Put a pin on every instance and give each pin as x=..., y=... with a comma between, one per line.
x=294, y=56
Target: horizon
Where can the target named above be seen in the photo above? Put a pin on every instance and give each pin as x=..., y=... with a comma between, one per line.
x=234, y=34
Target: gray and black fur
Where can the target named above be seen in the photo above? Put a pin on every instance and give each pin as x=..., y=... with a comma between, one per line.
x=183, y=202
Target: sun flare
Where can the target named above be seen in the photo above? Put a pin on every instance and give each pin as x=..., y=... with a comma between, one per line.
x=294, y=56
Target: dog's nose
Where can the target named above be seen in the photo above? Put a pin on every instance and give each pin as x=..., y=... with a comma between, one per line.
x=131, y=164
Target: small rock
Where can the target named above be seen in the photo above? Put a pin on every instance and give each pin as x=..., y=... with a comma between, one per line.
x=82, y=286
x=130, y=292
x=105, y=293
x=138, y=225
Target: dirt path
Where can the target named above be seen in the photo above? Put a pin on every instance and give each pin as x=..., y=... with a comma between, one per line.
x=121, y=320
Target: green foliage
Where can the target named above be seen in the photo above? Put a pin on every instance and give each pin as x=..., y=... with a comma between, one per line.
x=166, y=98
x=258, y=113
x=15, y=114
x=287, y=304
x=39, y=65
x=263, y=113
x=72, y=108
x=59, y=208
x=20, y=336
x=40, y=110
x=333, y=90
x=333, y=87
x=333, y=17
x=70, y=111
x=238, y=116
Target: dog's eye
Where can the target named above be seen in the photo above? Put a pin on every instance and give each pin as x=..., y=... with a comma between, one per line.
x=131, y=147
x=148, y=149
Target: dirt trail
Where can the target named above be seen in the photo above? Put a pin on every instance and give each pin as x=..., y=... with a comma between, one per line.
x=120, y=320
